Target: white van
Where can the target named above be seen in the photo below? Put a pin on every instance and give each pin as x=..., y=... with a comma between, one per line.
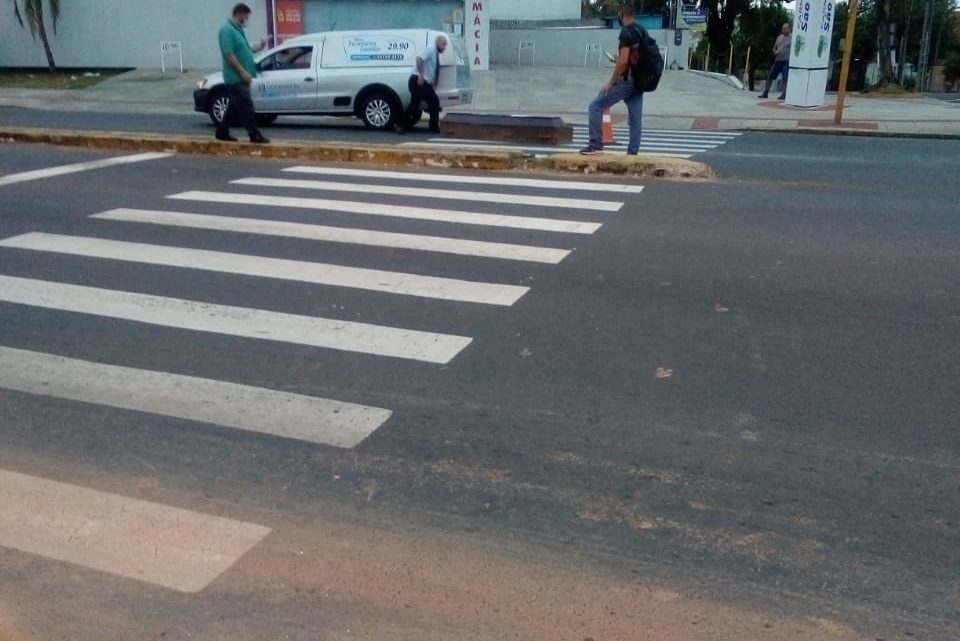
x=344, y=73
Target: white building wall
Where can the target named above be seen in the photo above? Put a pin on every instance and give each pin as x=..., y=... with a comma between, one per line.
x=124, y=33
x=535, y=9
x=127, y=33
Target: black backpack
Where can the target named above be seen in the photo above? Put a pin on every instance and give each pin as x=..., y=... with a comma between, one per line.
x=646, y=63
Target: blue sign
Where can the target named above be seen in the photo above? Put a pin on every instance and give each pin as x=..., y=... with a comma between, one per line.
x=693, y=15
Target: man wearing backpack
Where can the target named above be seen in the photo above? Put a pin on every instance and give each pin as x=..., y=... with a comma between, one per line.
x=620, y=87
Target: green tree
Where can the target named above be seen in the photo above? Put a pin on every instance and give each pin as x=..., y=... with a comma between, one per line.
x=607, y=8
x=758, y=29
x=32, y=12
x=905, y=19
x=599, y=8
x=722, y=16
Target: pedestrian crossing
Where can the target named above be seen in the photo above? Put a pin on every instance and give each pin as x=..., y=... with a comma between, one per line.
x=674, y=143
x=483, y=219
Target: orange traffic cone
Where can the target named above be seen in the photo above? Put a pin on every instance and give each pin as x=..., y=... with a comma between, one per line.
x=608, y=138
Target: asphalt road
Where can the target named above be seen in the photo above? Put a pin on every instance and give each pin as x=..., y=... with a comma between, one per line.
x=729, y=413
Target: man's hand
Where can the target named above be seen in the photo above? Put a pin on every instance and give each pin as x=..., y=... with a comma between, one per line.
x=246, y=78
x=605, y=89
x=420, y=81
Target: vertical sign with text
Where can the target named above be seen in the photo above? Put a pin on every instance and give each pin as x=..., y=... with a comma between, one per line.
x=289, y=19
x=810, y=52
x=477, y=29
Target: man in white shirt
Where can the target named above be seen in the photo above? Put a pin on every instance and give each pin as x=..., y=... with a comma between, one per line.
x=422, y=85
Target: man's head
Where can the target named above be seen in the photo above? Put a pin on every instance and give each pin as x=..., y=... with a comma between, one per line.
x=786, y=29
x=441, y=43
x=240, y=13
x=627, y=14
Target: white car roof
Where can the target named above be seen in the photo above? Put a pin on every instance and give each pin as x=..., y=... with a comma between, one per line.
x=320, y=35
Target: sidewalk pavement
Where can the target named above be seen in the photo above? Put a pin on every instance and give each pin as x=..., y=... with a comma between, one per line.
x=685, y=100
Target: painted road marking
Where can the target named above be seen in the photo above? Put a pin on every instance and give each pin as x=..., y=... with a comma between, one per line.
x=167, y=546
x=657, y=142
x=666, y=144
x=439, y=244
x=395, y=211
x=234, y=321
x=78, y=167
x=445, y=194
x=252, y=409
x=563, y=149
x=572, y=185
x=248, y=265
x=681, y=132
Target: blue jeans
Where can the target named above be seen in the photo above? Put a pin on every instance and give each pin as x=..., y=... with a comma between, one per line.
x=780, y=67
x=623, y=90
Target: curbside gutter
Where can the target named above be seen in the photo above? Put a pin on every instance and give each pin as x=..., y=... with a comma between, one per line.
x=643, y=166
x=840, y=130
x=383, y=155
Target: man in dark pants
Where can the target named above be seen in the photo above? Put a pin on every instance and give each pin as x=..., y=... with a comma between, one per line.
x=423, y=84
x=781, y=61
x=239, y=70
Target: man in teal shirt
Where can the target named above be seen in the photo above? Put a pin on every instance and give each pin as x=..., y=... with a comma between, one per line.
x=239, y=70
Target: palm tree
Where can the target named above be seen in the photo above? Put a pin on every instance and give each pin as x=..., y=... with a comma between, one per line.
x=33, y=11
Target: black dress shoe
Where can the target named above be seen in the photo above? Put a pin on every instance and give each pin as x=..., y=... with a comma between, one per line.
x=259, y=140
x=400, y=129
x=226, y=137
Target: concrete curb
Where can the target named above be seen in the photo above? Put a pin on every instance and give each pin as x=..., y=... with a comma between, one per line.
x=383, y=155
x=320, y=152
x=733, y=81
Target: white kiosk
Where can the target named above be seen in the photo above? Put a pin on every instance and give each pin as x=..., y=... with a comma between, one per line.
x=810, y=52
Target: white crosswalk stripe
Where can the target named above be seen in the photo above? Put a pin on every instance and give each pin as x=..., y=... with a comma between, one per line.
x=278, y=268
x=659, y=142
x=186, y=551
x=159, y=544
x=254, y=409
x=438, y=244
x=395, y=211
x=235, y=321
x=471, y=196
x=535, y=183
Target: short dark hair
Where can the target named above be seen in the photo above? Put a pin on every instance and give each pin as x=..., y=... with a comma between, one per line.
x=240, y=7
x=628, y=9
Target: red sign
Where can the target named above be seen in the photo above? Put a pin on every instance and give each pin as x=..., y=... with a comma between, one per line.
x=289, y=19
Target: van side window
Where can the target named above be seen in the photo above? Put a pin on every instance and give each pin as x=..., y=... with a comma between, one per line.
x=289, y=58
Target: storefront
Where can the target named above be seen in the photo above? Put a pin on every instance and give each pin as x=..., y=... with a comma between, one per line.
x=109, y=33
x=468, y=18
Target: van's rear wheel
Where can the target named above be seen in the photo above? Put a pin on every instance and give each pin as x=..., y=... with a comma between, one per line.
x=379, y=111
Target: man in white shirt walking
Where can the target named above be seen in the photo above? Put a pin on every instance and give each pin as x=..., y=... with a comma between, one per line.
x=422, y=85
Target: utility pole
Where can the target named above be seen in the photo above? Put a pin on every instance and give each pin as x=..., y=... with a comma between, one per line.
x=845, y=65
x=903, y=45
x=922, y=83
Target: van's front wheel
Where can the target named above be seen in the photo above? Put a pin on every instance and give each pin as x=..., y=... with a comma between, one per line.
x=217, y=105
x=379, y=111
